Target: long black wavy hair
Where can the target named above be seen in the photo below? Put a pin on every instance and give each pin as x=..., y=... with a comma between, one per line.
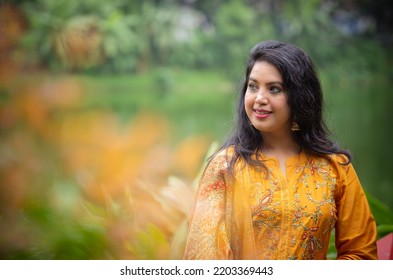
x=305, y=101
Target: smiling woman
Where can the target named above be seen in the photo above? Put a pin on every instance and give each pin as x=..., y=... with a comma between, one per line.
x=266, y=100
x=279, y=186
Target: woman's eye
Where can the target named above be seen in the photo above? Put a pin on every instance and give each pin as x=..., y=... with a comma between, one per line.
x=275, y=90
x=252, y=87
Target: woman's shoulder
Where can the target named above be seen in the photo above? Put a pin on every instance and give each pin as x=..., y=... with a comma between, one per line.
x=222, y=157
x=338, y=163
x=341, y=162
x=341, y=165
x=335, y=159
x=341, y=159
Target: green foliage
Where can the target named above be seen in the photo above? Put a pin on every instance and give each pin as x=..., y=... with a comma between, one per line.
x=235, y=22
x=133, y=35
x=120, y=42
x=56, y=233
x=306, y=24
x=138, y=35
x=150, y=244
x=332, y=252
x=383, y=215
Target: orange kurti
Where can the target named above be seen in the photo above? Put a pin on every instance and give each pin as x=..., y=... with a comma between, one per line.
x=252, y=215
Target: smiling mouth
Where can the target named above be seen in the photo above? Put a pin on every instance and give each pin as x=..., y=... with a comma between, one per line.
x=262, y=113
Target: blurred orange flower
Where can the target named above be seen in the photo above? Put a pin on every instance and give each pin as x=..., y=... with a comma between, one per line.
x=123, y=180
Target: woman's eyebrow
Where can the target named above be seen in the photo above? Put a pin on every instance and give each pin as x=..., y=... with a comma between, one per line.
x=276, y=83
x=269, y=83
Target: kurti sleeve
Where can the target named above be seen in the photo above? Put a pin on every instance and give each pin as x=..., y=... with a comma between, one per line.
x=355, y=227
x=207, y=235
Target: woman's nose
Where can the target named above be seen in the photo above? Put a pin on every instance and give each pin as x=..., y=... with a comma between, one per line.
x=261, y=98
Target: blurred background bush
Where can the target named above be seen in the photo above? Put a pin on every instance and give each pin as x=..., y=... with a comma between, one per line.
x=108, y=110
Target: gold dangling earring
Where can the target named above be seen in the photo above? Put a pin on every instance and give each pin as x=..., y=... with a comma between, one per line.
x=295, y=127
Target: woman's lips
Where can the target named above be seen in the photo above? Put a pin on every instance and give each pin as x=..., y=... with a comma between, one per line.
x=262, y=114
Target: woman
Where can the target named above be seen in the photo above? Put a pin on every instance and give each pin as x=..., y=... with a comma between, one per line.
x=279, y=186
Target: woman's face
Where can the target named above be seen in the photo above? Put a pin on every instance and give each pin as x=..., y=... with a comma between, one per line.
x=265, y=100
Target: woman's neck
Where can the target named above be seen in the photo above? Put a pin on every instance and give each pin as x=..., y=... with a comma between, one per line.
x=280, y=147
x=279, y=144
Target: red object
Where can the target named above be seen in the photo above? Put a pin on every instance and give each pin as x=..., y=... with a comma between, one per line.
x=385, y=247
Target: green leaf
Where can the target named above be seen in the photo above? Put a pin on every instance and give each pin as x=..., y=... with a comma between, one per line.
x=150, y=244
x=384, y=230
x=382, y=213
